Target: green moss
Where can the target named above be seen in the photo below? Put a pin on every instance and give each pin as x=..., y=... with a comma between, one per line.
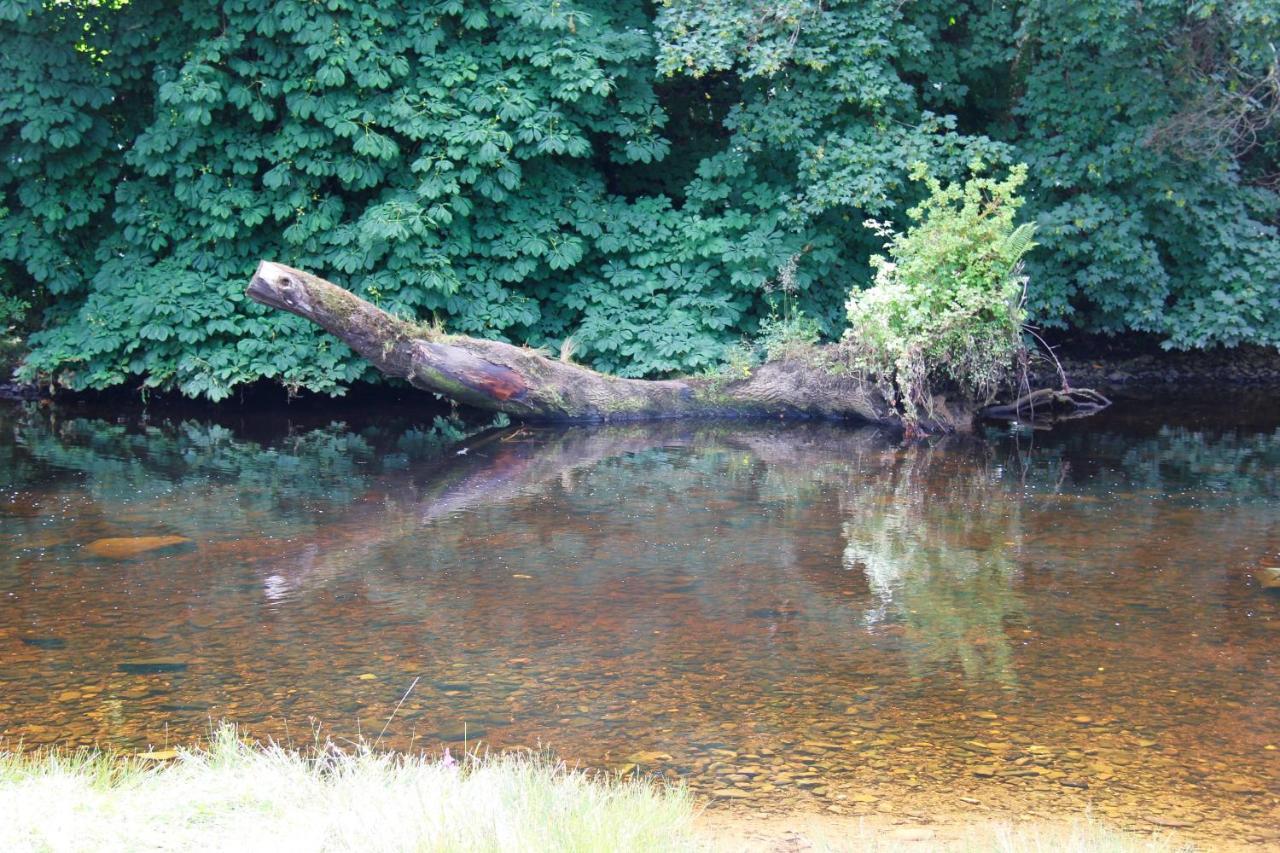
x=552, y=401
x=442, y=383
x=629, y=405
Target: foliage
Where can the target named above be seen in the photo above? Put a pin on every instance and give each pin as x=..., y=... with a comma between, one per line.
x=12, y=308
x=946, y=306
x=1143, y=236
x=631, y=175
x=787, y=330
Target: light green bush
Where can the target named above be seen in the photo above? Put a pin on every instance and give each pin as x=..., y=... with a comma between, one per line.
x=945, y=311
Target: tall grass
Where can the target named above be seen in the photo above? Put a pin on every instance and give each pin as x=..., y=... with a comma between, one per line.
x=234, y=796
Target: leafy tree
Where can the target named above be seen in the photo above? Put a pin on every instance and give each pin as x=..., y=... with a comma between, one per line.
x=1146, y=233
x=627, y=175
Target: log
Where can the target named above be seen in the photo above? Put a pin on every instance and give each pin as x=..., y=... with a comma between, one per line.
x=526, y=385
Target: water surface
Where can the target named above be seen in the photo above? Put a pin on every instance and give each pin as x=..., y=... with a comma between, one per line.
x=783, y=616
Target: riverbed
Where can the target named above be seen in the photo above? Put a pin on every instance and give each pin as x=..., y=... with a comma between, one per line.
x=785, y=616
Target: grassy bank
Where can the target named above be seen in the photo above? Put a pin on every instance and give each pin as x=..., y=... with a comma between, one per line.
x=232, y=796
x=236, y=796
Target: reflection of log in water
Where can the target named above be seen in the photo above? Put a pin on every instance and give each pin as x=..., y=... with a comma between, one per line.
x=521, y=460
x=931, y=529
x=501, y=467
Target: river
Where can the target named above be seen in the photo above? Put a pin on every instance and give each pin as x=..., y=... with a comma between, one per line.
x=784, y=616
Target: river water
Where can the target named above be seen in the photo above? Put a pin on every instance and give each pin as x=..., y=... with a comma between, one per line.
x=784, y=616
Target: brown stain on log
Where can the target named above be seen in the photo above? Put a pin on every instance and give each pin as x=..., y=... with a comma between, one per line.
x=495, y=381
x=500, y=383
x=492, y=380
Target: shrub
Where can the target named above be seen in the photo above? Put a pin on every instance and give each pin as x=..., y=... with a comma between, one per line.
x=945, y=311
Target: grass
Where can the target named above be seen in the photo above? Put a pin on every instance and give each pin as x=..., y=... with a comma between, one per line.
x=233, y=795
x=236, y=796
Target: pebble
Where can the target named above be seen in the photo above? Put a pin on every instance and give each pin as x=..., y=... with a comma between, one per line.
x=45, y=642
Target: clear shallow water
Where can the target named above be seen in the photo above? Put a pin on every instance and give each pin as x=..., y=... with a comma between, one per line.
x=784, y=616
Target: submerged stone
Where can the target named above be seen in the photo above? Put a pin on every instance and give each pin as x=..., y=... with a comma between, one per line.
x=123, y=547
x=469, y=732
x=45, y=642
x=1172, y=822
x=732, y=794
x=152, y=666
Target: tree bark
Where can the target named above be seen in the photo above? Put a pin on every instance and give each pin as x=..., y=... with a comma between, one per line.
x=526, y=385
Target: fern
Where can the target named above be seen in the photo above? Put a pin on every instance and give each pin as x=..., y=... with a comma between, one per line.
x=1018, y=243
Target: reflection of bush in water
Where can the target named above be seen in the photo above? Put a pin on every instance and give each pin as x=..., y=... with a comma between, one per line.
x=935, y=535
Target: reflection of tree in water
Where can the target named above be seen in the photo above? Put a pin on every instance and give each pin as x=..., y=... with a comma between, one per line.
x=934, y=530
x=237, y=482
x=1227, y=465
x=935, y=535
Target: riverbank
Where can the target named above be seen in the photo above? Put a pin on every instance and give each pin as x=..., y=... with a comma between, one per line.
x=326, y=797
x=1112, y=365
x=1128, y=362
x=233, y=795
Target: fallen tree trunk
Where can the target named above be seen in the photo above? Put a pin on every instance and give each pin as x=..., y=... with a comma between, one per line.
x=522, y=383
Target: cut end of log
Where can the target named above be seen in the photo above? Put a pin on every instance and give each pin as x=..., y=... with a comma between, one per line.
x=279, y=286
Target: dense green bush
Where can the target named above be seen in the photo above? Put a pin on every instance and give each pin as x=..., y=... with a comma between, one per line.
x=946, y=309
x=627, y=175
